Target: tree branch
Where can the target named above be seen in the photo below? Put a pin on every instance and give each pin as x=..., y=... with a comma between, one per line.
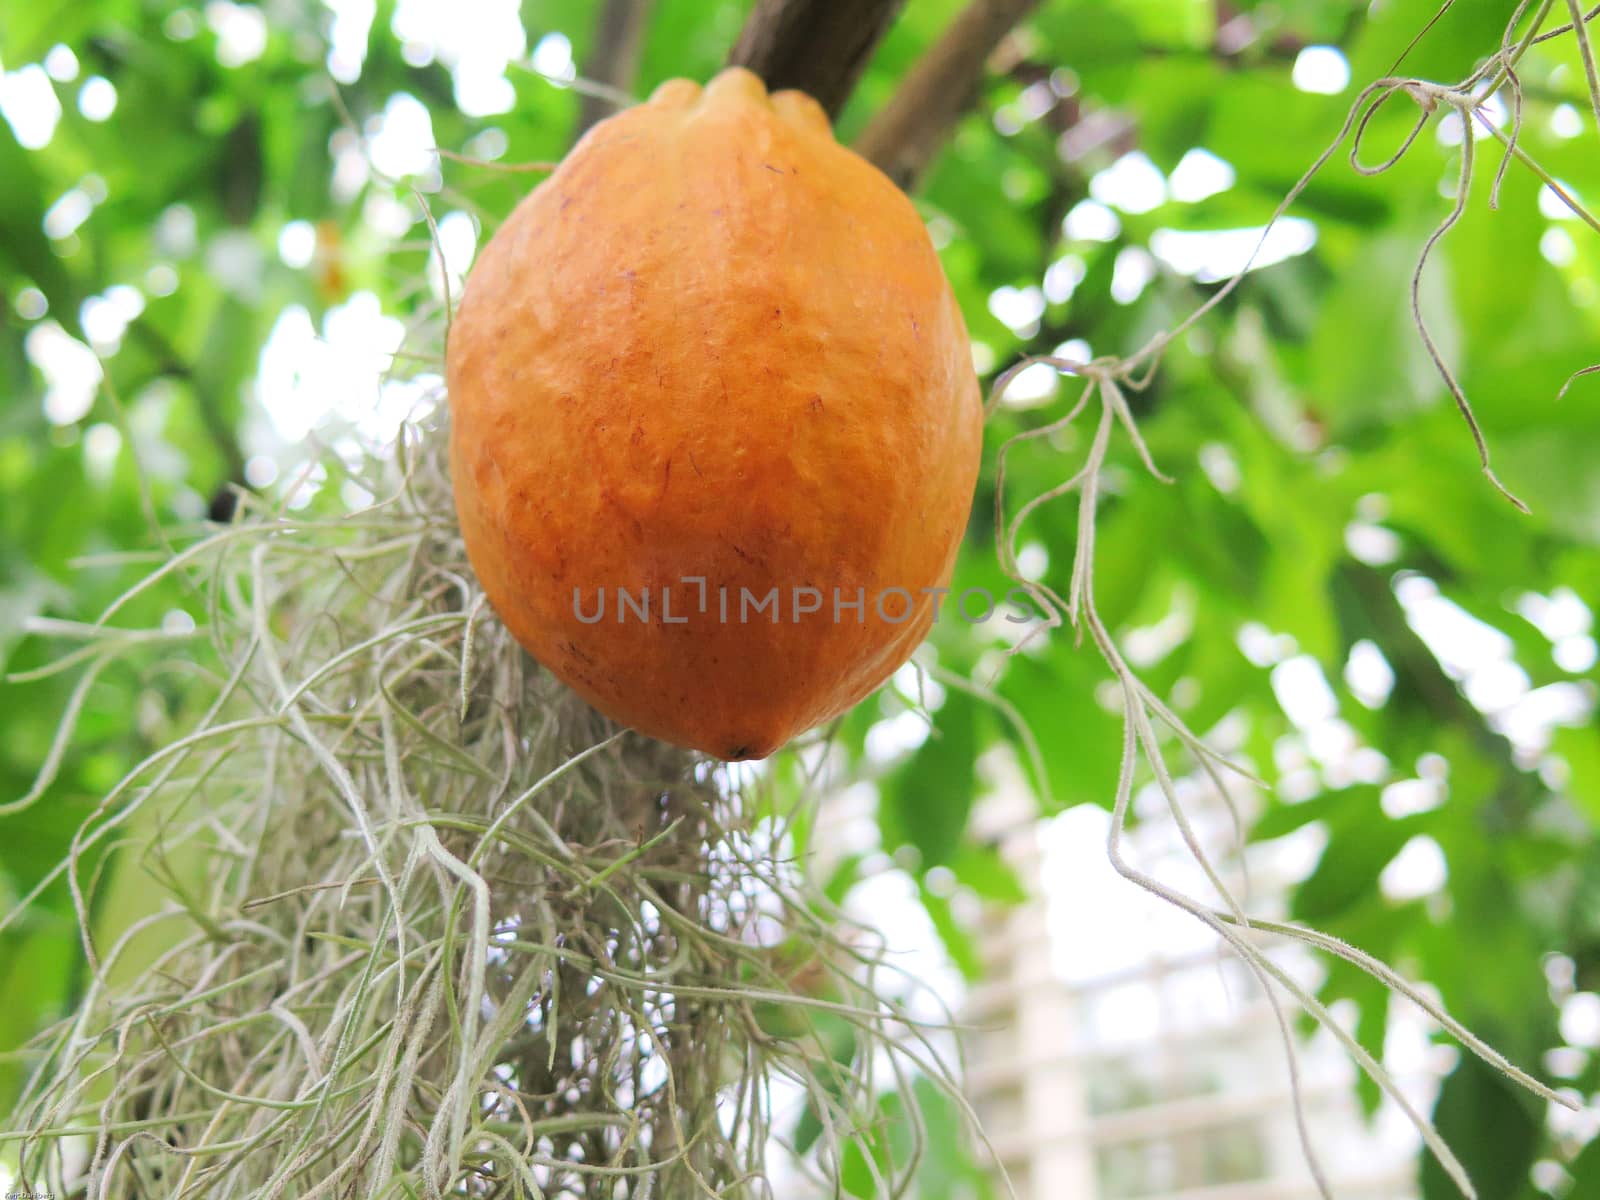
x=618, y=43
x=818, y=46
x=904, y=137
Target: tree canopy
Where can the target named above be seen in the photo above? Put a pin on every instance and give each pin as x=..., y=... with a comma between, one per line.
x=216, y=223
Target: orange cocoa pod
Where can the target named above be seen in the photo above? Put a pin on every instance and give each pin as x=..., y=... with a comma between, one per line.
x=711, y=370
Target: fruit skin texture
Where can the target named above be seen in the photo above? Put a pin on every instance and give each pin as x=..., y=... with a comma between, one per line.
x=713, y=343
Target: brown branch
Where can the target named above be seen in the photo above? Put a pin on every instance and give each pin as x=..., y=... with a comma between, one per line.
x=614, y=61
x=818, y=46
x=903, y=138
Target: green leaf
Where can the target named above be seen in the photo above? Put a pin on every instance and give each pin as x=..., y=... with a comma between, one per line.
x=1281, y=818
x=1362, y=841
x=1366, y=355
x=1079, y=739
x=988, y=875
x=947, y=1171
x=955, y=937
x=1580, y=748
x=1488, y=1122
x=1585, y=1170
x=838, y=1037
x=842, y=878
x=925, y=803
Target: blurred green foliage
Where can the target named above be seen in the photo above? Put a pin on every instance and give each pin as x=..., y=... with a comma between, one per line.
x=1317, y=457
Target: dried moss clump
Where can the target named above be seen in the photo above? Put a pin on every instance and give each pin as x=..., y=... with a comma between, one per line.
x=428, y=924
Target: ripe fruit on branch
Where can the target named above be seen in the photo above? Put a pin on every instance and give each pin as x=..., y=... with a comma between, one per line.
x=713, y=362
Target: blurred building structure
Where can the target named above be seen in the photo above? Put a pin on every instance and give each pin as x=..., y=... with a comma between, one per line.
x=1116, y=1054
